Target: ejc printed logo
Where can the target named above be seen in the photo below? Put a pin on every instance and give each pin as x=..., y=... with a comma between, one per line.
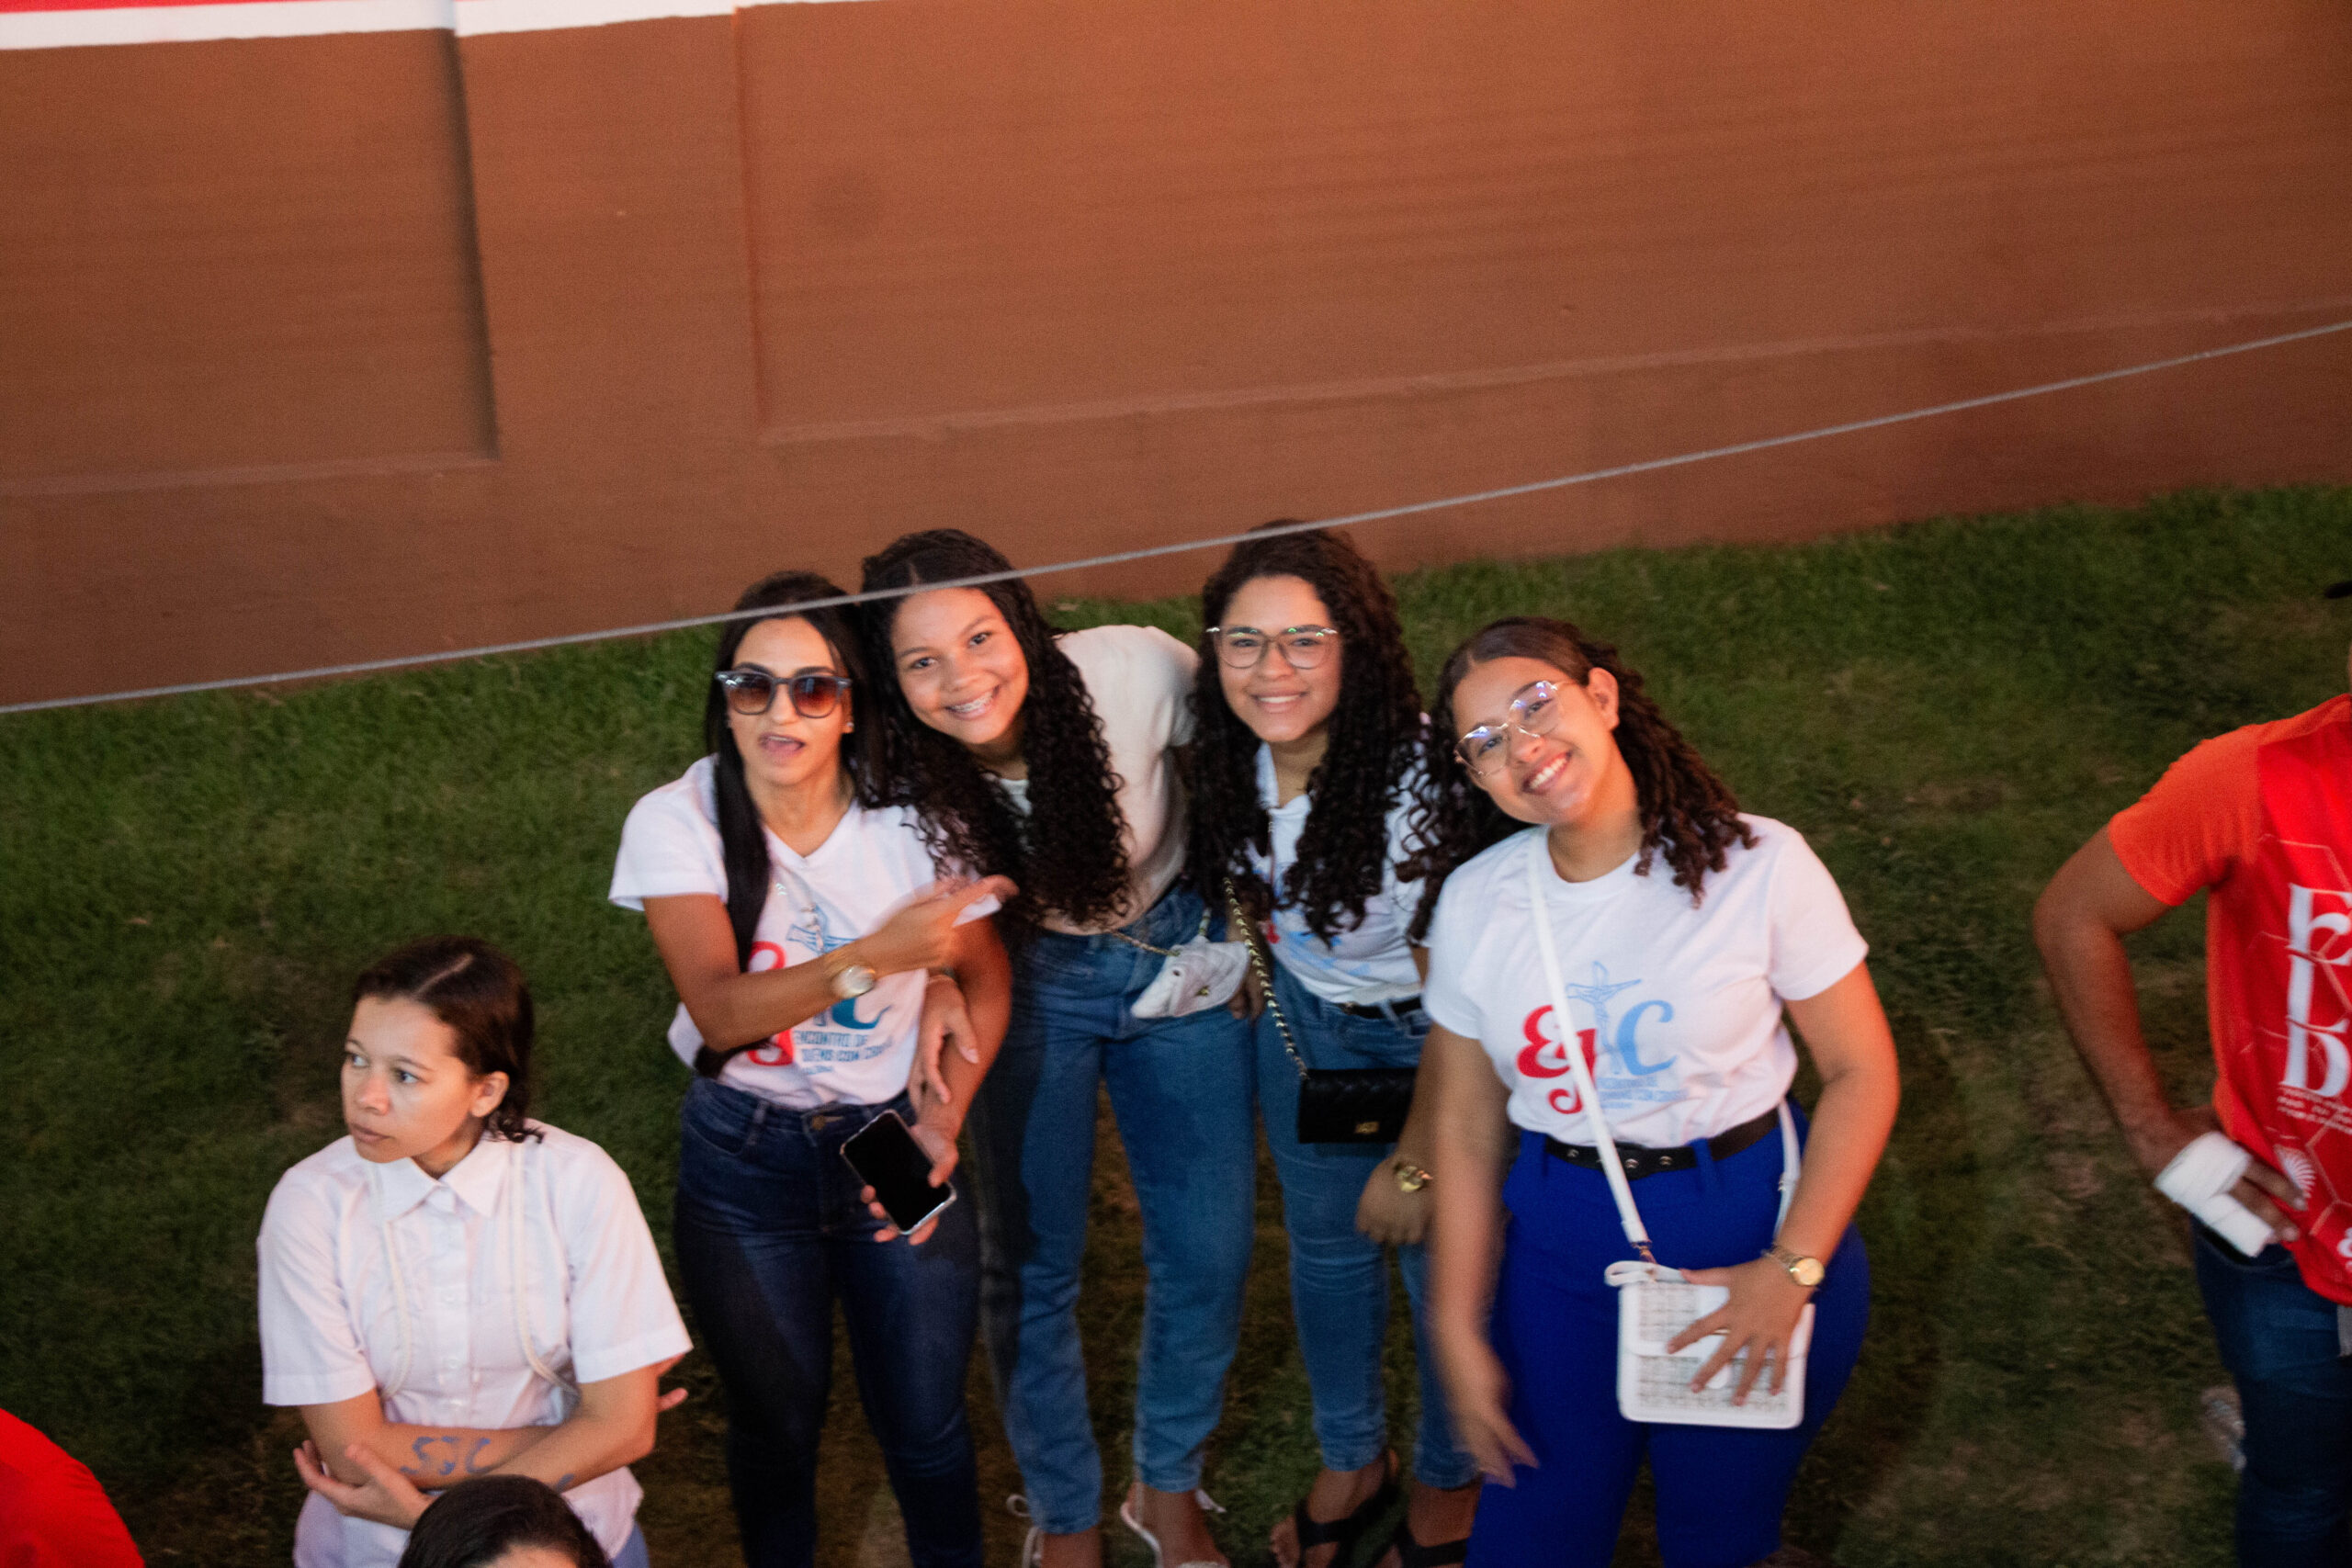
x=1547, y=1056
x=777, y=1050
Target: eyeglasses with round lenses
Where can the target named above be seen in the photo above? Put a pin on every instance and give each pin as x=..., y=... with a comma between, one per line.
x=753, y=692
x=1241, y=648
x=1534, y=710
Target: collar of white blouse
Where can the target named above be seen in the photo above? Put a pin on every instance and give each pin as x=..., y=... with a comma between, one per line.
x=477, y=1181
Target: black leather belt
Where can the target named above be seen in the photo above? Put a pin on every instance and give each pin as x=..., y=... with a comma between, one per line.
x=1379, y=1010
x=1640, y=1162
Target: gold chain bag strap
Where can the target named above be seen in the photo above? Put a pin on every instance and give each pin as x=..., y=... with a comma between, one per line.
x=1198, y=974
x=1335, y=1105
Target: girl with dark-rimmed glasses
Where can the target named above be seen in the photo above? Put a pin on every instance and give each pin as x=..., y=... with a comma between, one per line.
x=810, y=934
x=1304, y=778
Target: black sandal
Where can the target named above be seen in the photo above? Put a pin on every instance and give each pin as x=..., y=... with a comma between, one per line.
x=1344, y=1533
x=1411, y=1553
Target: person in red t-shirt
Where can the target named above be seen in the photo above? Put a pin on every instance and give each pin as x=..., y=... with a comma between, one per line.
x=53, y=1513
x=2261, y=819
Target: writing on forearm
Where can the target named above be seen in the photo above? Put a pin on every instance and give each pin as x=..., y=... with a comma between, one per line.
x=473, y=1460
x=446, y=1467
x=564, y=1483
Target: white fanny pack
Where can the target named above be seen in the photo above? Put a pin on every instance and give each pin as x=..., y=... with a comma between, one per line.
x=1198, y=974
x=1656, y=1303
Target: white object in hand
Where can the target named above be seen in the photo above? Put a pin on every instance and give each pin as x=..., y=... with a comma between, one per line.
x=2200, y=1179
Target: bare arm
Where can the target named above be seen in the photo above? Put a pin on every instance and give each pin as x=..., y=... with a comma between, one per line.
x=1845, y=1029
x=612, y=1426
x=432, y=1457
x=376, y=1469
x=984, y=974
x=1470, y=1147
x=1386, y=1213
x=731, y=1007
x=983, y=982
x=2079, y=923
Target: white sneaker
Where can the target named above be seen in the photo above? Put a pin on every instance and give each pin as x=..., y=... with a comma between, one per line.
x=1127, y=1517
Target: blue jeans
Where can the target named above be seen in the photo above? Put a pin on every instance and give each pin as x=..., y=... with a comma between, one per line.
x=2278, y=1337
x=1721, y=1489
x=1339, y=1280
x=632, y=1553
x=1180, y=1089
x=769, y=1232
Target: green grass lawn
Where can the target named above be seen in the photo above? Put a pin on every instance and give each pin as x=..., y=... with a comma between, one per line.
x=1945, y=709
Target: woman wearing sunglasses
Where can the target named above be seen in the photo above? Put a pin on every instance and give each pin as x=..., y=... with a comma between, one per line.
x=808, y=931
x=1304, y=783
x=1686, y=931
x=1052, y=758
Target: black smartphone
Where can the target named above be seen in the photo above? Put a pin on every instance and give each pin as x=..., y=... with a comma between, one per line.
x=887, y=1158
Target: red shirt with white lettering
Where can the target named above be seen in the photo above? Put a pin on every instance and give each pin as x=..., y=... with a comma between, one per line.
x=2262, y=817
x=53, y=1513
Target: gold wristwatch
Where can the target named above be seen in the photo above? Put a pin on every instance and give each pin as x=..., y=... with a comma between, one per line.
x=1411, y=1177
x=1806, y=1271
x=852, y=981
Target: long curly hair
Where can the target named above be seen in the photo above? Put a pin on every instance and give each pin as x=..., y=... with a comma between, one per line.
x=1374, y=738
x=742, y=839
x=1688, y=814
x=1069, y=855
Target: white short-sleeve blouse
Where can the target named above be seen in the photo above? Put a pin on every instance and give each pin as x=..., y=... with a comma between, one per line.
x=380, y=1277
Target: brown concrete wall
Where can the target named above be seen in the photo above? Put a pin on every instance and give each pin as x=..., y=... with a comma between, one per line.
x=325, y=348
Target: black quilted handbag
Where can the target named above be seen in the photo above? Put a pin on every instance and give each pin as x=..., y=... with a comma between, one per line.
x=1335, y=1105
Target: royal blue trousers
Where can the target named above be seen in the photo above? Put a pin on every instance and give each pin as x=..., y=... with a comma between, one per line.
x=1721, y=1489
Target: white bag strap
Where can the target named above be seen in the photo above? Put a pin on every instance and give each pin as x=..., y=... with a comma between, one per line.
x=1539, y=856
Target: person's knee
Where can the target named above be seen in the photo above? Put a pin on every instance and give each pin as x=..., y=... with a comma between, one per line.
x=1333, y=1265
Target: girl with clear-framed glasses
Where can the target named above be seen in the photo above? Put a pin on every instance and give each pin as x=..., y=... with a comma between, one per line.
x=1305, y=781
x=813, y=937
x=1690, y=934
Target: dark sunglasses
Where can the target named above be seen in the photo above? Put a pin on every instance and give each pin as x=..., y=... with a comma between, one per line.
x=753, y=692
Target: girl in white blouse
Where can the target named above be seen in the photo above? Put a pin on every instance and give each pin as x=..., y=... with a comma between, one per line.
x=453, y=1289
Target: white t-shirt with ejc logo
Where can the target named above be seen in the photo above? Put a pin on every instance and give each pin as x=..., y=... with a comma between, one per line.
x=1676, y=1005
x=857, y=1052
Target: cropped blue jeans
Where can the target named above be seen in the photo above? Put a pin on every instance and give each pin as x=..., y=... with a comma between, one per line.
x=1339, y=1277
x=1181, y=1090
x=770, y=1231
x=2280, y=1339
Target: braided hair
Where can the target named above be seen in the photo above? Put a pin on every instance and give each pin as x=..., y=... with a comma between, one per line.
x=1374, y=739
x=742, y=838
x=1069, y=856
x=1688, y=814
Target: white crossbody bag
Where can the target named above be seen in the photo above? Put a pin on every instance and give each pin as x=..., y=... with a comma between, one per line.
x=1656, y=1303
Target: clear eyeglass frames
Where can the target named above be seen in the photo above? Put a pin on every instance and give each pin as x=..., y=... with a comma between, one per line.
x=1534, y=710
x=1303, y=647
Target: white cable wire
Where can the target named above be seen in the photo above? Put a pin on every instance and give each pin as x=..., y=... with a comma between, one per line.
x=1651, y=464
